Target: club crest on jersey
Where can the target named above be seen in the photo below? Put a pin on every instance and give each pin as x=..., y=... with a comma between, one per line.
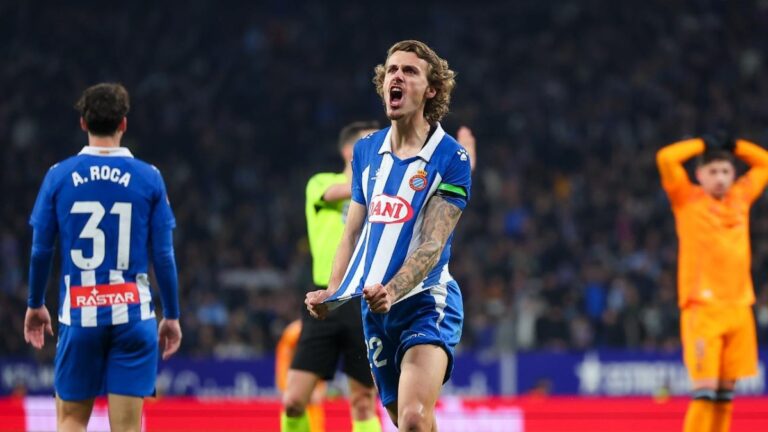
x=389, y=209
x=419, y=181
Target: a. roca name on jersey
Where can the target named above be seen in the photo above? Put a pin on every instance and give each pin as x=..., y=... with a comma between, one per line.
x=103, y=173
x=389, y=209
x=104, y=295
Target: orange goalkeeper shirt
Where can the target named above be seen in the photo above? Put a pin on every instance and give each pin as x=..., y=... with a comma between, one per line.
x=714, y=257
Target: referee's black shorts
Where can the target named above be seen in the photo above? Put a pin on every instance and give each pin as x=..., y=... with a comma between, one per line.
x=340, y=336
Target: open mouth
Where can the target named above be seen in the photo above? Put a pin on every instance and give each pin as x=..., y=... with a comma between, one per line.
x=395, y=96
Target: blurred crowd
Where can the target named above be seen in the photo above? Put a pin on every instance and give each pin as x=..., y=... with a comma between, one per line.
x=568, y=242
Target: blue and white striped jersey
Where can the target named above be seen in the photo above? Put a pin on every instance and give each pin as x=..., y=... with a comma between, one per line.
x=104, y=205
x=395, y=191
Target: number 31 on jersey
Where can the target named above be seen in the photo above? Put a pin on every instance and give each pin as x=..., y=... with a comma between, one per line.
x=92, y=231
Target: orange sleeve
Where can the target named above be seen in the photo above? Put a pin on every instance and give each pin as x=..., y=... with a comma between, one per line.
x=286, y=347
x=670, y=159
x=754, y=181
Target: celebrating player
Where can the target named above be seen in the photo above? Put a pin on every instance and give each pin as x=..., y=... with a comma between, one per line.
x=323, y=343
x=106, y=207
x=410, y=183
x=714, y=279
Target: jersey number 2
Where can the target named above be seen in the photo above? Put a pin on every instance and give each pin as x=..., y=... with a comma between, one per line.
x=376, y=345
x=91, y=231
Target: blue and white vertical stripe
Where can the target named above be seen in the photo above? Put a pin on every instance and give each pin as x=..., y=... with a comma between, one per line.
x=94, y=316
x=394, y=194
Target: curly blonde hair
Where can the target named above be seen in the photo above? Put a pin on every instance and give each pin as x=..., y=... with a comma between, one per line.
x=439, y=76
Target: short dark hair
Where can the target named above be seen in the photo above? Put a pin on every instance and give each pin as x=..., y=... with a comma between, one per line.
x=103, y=106
x=715, y=155
x=353, y=129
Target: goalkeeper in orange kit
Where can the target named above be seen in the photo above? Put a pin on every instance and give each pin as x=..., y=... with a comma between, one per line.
x=714, y=279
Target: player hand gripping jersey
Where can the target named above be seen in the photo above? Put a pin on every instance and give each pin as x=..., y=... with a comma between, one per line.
x=322, y=345
x=108, y=210
x=714, y=268
x=410, y=183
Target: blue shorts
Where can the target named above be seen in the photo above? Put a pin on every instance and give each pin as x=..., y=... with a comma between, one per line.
x=118, y=359
x=431, y=317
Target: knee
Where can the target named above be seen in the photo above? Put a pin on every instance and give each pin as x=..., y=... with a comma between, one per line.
x=414, y=419
x=68, y=411
x=293, y=406
x=71, y=419
x=363, y=403
x=72, y=413
x=125, y=422
x=129, y=426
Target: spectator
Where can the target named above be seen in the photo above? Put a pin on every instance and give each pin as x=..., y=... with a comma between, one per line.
x=570, y=101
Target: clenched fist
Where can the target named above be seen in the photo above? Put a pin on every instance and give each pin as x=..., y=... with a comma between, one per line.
x=315, y=305
x=378, y=298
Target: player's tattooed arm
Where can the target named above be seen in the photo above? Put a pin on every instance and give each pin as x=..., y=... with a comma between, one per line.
x=440, y=219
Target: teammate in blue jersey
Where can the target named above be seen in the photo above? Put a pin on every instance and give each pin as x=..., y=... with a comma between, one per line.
x=108, y=210
x=410, y=184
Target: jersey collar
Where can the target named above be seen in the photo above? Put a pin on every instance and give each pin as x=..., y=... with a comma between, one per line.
x=106, y=151
x=426, y=152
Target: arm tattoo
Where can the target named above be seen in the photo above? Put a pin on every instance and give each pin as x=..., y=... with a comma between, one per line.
x=440, y=218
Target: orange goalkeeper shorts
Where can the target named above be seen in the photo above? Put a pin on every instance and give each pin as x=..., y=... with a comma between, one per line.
x=719, y=342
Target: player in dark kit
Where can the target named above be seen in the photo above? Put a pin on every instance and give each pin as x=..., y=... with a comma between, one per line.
x=107, y=210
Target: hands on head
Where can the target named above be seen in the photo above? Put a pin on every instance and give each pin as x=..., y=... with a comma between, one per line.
x=719, y=140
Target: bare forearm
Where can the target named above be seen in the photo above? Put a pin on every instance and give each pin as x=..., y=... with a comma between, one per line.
x=415, y=269
x=341, y=261
x=355, y=220
x=338, y=192
x=439, y=220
